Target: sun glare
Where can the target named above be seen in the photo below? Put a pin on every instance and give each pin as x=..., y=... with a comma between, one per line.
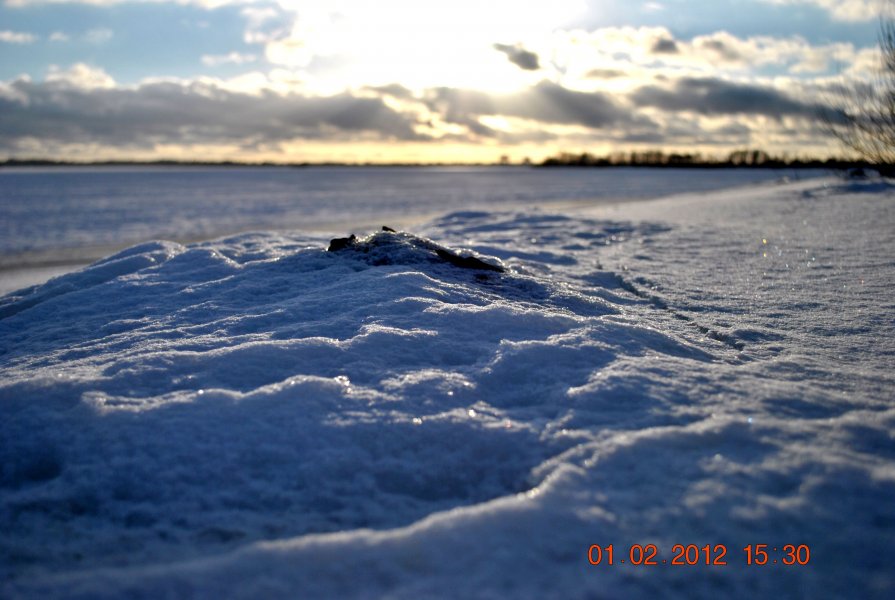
x=347, y=44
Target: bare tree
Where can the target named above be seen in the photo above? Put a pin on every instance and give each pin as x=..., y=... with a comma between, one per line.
x=862, y=114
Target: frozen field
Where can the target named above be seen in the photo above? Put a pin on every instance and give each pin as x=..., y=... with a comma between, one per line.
x=257, y=417
x=55, y=220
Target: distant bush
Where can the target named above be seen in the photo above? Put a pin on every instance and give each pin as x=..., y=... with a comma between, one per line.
x=862, y=115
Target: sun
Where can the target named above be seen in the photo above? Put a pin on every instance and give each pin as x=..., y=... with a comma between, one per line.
x=349, y=44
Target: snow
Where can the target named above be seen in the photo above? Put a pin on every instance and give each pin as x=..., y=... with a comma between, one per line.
x=61, y=219
x=258, y=417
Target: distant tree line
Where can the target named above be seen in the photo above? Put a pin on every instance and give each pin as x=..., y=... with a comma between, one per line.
x=736, y=159
x=647, y=158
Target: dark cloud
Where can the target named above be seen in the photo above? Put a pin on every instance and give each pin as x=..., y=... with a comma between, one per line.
x=175, y=113
x=678, y=131
x=546, y=103
x=152, y=114
x=477, y=128
x=459, y=105
x=57, y=113
x=553, y=103
x=664, y=46
x=605, y=74
x=737, y=130
x=716, y=97
x=396, y=90
x=644, y=137
x=721, y=49
x=519, y=56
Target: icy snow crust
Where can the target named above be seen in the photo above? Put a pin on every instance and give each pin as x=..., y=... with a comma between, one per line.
x=258, y=417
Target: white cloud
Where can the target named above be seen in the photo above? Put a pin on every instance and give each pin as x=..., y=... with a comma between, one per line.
x=257, y=16
x=233, y=58
x=81, y=76
x=289, y=52
x=842, y=10
x=99, y=35
x=17, y=37
x=59, y=36
x=619, y=57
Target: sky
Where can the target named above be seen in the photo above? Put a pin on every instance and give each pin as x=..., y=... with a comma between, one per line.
x=423, y=81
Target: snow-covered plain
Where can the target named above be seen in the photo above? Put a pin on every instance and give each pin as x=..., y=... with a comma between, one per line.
x=257, y=417
x=60, y=219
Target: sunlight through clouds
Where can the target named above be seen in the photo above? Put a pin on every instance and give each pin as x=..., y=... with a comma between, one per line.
x=409, y=42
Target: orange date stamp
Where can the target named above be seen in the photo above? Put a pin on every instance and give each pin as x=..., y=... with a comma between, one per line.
x=693, y=554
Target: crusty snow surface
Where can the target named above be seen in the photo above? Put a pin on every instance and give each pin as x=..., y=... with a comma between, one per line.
x=256, y=417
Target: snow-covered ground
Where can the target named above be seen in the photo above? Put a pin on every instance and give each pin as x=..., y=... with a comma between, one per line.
x=61, y=219
x=257, y=417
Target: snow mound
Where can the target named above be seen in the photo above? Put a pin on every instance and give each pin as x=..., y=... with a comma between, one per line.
x=194, y=398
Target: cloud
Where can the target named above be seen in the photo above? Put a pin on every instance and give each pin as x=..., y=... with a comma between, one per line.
x=266, y=23
x=290, y=52
x=546, y=102
x=684, y=112
x=17, y=37
x=841, y=10
x=664, y=46
x=394, y=90
x=648, y=52
x=604, y=74
x=80, y=76
x=59, y=36
x=82, y=106
x=720, y=47
x=519, y=56
x=100, y=35
x=709, y=96
x=552, y=103
x=233, y=58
